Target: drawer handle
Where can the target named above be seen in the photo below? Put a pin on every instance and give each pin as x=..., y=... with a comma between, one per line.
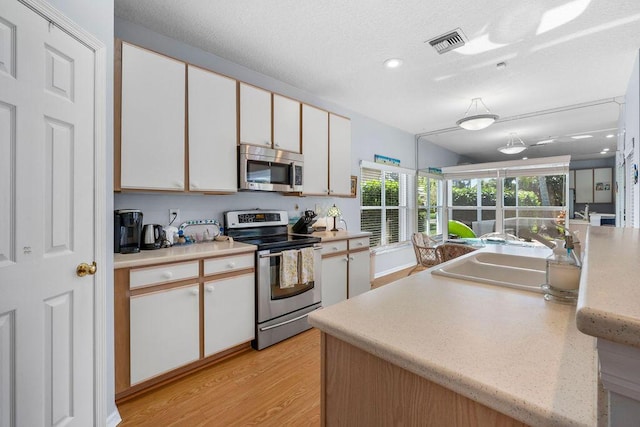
x=351, y=258
x=194, y=184
x=167, y=275
x=360, y=244
x=194, y=292
x=210, y=288
x=231, y=265
x=178, y=184
x=335, y=248
x=267, y=143
x=345, y=259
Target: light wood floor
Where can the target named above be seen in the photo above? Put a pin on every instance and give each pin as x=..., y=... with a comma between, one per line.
x=278, y=386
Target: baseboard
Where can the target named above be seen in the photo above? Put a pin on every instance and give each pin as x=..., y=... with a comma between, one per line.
x=394, y=270
x=114, y=419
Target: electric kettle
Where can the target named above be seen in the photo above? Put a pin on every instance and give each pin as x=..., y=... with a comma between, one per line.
x=152, y=236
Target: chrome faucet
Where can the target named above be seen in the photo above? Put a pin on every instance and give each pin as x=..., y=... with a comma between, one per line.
x=345, y=223
x=585, y=214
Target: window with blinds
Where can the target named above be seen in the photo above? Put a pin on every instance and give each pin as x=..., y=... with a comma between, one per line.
x=385, y=201
x=430, y=203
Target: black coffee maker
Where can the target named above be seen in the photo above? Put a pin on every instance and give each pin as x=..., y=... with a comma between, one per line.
x=127, y=231
x=304, y=224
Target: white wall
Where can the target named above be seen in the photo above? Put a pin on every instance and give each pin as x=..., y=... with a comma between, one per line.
x=431, y=155
x=97, y=19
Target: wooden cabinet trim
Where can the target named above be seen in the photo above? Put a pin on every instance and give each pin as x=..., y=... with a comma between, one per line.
x=121, y=320
x=364, y=249
x=157, y=288
x=117, y=115
x=227, y=274
x=335, y=254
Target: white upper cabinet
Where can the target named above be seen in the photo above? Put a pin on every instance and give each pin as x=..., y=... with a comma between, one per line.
x=153, y=121
x=339, y=156
x=255, y=115
x=315, y=148
x=286, y=123
x=212, y=132
x=584, y=186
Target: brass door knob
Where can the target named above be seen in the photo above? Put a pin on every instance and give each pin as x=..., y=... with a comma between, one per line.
x=84, y=269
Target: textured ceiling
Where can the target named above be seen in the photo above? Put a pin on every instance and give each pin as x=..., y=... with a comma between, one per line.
x=334, y=49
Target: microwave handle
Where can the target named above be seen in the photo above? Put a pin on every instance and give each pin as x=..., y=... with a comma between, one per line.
x=292, y=174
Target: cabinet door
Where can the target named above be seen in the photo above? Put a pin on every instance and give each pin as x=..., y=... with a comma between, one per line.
x=229, y=313
x=255, y=115
x=153, y=124
x=315, y=148
x=572, y=179
x=334, y=280
x=339, y=156
x=584, y=186
x=602, y=184
x=286, y=124
x=164, y=331
x=359, y=273
x=213, y=132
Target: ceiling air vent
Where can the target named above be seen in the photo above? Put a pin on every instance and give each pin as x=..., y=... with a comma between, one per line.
x=449, y=41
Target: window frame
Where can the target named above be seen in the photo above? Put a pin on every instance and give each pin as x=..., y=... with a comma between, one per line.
x=407, y=213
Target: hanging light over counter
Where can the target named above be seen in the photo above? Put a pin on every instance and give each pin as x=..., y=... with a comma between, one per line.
x=515, y=145
x=477, y=120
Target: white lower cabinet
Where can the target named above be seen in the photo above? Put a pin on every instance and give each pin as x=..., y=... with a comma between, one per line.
x=229, y=313
x=164, y=331
x=345, y=269
x=359, y=273
x=334, y=279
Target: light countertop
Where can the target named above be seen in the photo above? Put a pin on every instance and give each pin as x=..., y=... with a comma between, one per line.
x=609, y=298
x=180, y=253
x=508, y=349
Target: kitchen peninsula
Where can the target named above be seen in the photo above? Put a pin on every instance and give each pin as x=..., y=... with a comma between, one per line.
x=432, y=350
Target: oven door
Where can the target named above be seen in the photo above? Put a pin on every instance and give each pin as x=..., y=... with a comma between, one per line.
x=275, y=301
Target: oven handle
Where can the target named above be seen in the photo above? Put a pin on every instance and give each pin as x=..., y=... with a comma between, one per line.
x=317, y=248
x=266, y=328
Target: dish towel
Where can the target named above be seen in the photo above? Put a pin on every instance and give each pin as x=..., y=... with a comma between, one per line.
x=289, y=269
x=306, y=265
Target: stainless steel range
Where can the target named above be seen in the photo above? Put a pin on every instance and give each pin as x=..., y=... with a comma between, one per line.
x=282, y=304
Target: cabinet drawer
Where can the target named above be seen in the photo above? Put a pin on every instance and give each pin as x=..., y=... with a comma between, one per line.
x=362, y=242
x=225, y=264
x=163, y=274
x=333, y=247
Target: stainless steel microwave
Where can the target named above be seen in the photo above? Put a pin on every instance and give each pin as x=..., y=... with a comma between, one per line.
x=267, y=169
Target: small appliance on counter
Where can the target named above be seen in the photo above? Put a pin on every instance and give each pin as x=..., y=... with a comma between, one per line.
x=127, y=231
x=152, y=236
x=305, y=223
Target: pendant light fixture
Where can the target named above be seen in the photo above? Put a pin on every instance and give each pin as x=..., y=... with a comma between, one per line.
x=515, y=145
x=478, y=119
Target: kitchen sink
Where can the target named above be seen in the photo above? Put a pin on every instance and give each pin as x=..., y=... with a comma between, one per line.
x=514, y=271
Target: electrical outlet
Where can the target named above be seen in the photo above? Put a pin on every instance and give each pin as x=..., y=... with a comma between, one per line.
x=174, y=217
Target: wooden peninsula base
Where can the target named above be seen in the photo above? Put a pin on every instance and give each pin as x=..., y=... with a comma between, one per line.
x=360, y=389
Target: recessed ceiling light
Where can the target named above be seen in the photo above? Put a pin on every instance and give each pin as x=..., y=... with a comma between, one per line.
x=501, y=65
x=393, y=63
x=545, y=141
x=605, y=149
x=610, y=135
x=525, y=158
x=603, y=152
x=581, y=136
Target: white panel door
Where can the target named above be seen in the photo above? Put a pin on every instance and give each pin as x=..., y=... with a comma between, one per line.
x=334, y=279
x=213, y=132
x=255, y=115
x=339, y=156
x=165, y=331
x=359, y=273
x=47, y=222
x=153, y=123
x=315, y=148
x=286, y=123
x=229, y=313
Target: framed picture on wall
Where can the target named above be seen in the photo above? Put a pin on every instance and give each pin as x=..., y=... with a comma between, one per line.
x=354, y=186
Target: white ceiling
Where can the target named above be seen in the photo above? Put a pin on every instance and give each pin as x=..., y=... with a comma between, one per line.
x=334, y=49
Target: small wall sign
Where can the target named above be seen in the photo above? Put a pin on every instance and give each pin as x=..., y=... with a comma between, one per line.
x=386, y=160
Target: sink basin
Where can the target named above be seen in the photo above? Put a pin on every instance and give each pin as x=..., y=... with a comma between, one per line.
x=514, y=271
